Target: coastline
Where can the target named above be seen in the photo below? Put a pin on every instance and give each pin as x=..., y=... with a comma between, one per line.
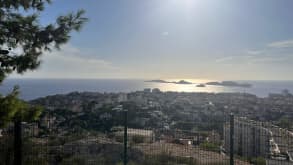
x=34, y=88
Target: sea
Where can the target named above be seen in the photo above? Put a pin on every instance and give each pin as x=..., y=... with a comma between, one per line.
x=35, y=88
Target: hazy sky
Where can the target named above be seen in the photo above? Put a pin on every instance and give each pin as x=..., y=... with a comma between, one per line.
x=205, y=39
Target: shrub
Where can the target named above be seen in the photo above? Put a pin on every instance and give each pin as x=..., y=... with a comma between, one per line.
x=137, y=139
x=209, y=146
x=258, y=161
x=168, y=159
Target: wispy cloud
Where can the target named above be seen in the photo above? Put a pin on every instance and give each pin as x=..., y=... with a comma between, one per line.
x=72, y=56
x=274, y=52
x=281, y=44
x=267, y=59
x=71, y=62
x=273, y=48
x=255, y=52
x=249, y=59
x=225, y=59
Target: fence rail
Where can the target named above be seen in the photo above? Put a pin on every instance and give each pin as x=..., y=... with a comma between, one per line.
x=238, y=141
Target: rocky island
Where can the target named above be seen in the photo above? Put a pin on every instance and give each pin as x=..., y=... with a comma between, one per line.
x=182, y=82
x=158, y=81
x=173, y=82
x=230, y=84
x=201, y=85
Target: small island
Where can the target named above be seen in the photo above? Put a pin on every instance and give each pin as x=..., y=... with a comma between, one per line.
x=158, y=81
x=215, y=83
x=201, y=85
x=173, y=82
x=230, y=84
x=182, y=82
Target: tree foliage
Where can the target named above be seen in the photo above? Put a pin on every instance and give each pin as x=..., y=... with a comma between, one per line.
x=20, y=29
x=13, y=109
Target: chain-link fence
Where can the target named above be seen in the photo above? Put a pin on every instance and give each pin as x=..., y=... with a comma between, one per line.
x=190, y=143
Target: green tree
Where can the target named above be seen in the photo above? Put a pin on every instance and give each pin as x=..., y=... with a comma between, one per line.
x=20, y=29
x=285, y=122
x=14, y=109
x=258, y=161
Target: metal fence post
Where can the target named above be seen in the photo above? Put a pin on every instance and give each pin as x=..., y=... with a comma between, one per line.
x=231, y=139
x=17, y=143
x=125, y=138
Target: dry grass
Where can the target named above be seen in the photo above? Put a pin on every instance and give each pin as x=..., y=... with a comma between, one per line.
x=177, y=150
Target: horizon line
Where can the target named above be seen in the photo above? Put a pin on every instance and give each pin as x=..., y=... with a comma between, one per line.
x=120, y=78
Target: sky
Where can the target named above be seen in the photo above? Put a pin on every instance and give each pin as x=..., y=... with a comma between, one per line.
x=167, y=39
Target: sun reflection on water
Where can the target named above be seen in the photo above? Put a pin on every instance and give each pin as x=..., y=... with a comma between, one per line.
x=187, y=87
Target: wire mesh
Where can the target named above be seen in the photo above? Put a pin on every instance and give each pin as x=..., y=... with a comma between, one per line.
x=191, y=141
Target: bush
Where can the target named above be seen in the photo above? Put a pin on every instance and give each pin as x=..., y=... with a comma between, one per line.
x=177, y=141
x=209, y=146
x=74, y=160
x=119, y=138
x=167, y=158
x=258, y=161
x=137, y=139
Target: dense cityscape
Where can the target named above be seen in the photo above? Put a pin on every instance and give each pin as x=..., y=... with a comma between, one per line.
x=146, y=82
x=193, y=126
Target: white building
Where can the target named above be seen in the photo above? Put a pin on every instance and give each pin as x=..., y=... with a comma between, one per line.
x=122, y=97
x=147, y=135
x=251, y=139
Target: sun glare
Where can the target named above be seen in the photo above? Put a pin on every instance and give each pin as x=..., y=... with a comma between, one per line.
x=187, y=4
x=187, y=7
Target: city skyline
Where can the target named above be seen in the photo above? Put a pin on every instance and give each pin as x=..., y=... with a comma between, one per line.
x=174, y=39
